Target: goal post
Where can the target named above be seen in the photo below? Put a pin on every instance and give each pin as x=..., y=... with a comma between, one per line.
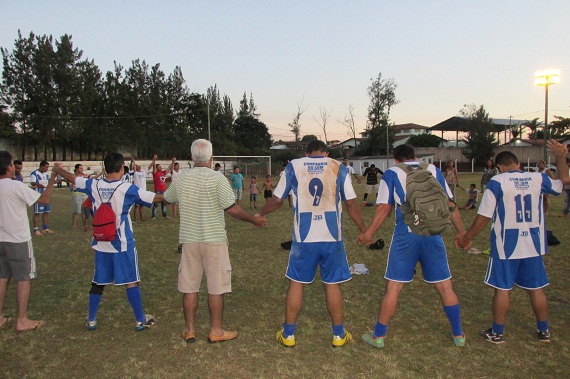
x=250, y=165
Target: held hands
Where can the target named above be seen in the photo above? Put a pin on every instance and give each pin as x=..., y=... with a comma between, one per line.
x=259, y=220
x=364, y=239
x=462, y=241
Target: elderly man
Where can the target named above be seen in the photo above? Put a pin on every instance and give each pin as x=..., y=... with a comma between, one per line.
x=16, y=252
x=203, y=195
x=319, y=184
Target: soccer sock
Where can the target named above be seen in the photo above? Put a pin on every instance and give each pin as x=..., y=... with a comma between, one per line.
x=289, y=329
x=36, y=228
x=94, y=300
x=542, y=325
x=498, y=329
x=453, y=313
x=135, y=299
x=338, y=330
x=380, y=330
x=45, y=226
x=365, y=196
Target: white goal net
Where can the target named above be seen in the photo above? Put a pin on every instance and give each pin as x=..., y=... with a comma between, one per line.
x=249, y=165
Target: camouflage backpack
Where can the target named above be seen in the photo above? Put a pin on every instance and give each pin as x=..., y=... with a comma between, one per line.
x=426, y=210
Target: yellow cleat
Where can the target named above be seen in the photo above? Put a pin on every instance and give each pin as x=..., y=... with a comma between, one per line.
x=285, y=341
x=338, y=342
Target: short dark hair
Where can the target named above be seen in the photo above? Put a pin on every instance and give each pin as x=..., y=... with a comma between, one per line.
x=114, y=162
x=506, y=158
x=43, y=163
x=217, y=165
x=77, y=166
x=17, y=161
x=316, y=145
x=5, y=161
x=404, y=152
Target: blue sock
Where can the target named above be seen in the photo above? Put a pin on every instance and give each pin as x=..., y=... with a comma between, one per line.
x=453, y=313
x=542, y=325
x=289, y=329
x=135, y=299
x=94, y=301
x=498, y=329
x=338, y=330
x=380, y=330
x=45, y=226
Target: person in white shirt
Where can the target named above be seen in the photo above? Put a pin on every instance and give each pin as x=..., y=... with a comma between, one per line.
x=16, y=253
x=38, y=180
x=350, y=169
x=139, y=175
x=514, y=201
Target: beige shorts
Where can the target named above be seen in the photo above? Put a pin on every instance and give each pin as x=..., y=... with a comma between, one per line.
x=209, y=257
x=371, y=188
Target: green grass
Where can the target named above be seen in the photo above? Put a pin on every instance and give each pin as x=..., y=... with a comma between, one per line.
x=418, y=345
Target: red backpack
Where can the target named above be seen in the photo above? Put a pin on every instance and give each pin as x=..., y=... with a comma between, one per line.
x=105, y=219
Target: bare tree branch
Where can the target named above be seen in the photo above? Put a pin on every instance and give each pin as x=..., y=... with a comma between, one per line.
x=324, y=119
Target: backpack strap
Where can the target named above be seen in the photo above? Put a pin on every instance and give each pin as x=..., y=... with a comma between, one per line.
x=99, y=193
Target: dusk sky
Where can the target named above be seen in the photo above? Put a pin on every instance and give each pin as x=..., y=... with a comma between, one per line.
x=442, y=54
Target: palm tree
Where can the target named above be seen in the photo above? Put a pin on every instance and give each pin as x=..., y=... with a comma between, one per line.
x=533, y=125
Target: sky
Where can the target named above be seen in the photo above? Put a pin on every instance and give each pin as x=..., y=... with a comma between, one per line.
x=442, y=54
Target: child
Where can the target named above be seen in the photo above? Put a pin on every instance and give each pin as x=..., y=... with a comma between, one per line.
x=267, y=187
x=253, y=190
x=473, y=195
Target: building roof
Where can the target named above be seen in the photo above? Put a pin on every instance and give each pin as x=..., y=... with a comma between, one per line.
x=461, y=124
x=408, y=126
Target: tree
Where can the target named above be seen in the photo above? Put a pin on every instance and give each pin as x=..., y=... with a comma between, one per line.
x=251, y=134
x=425, y=140
x=349, y=121
x=533, y=126
x=481, y=137
x=325, y=114
x=382, y=93
x=296, y=125
x=559, y=127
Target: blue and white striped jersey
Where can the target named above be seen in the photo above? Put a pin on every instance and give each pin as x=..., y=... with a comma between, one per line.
x=392, y=191
x=125, y=196
x=514, y=201
x=318, y=185
x=41, y=178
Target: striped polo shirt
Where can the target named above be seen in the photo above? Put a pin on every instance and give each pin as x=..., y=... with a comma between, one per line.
x=202, y=195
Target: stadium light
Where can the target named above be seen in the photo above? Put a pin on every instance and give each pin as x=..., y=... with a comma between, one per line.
x=546, y=78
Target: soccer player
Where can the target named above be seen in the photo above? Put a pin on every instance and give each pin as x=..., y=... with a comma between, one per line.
x=77, y=199
x=116, y=261
x=139, y=175
x=16, y=253
x=407, y=249
x=38, y=180
x=173, y=175
x=514, y=201
x=319, y=185
x=371, y=175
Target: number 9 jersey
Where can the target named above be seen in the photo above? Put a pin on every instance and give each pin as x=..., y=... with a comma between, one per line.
x=514, y=201
x=318, y=186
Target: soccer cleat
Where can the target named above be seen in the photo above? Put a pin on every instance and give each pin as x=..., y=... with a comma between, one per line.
x=459, y=341
x=496, y=338
x=288, y=341
x=149, y=322
x=543, y=335
x=337, y=341
x=48, y=231
x=91, y=325
x=377, y=342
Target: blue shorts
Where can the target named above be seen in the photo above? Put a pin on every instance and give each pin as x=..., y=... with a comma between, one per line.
x=330, y=257
x=119, y=268
x=41, y=208
x=408, y=249
x=527, y=273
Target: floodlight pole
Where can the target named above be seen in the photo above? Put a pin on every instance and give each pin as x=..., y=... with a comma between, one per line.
x=546, y=78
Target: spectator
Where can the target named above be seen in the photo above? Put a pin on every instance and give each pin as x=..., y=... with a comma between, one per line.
x=39, y=179
x=159, y=179
x=237, y=184
x=16, y=253
x=18, y=165
x=489, y=171
x=203, y=196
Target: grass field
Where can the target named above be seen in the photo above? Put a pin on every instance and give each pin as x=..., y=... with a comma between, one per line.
x=418, y=345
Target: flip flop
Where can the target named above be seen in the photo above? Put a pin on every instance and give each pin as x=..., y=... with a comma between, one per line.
x=7, y=320
x=39, y=324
